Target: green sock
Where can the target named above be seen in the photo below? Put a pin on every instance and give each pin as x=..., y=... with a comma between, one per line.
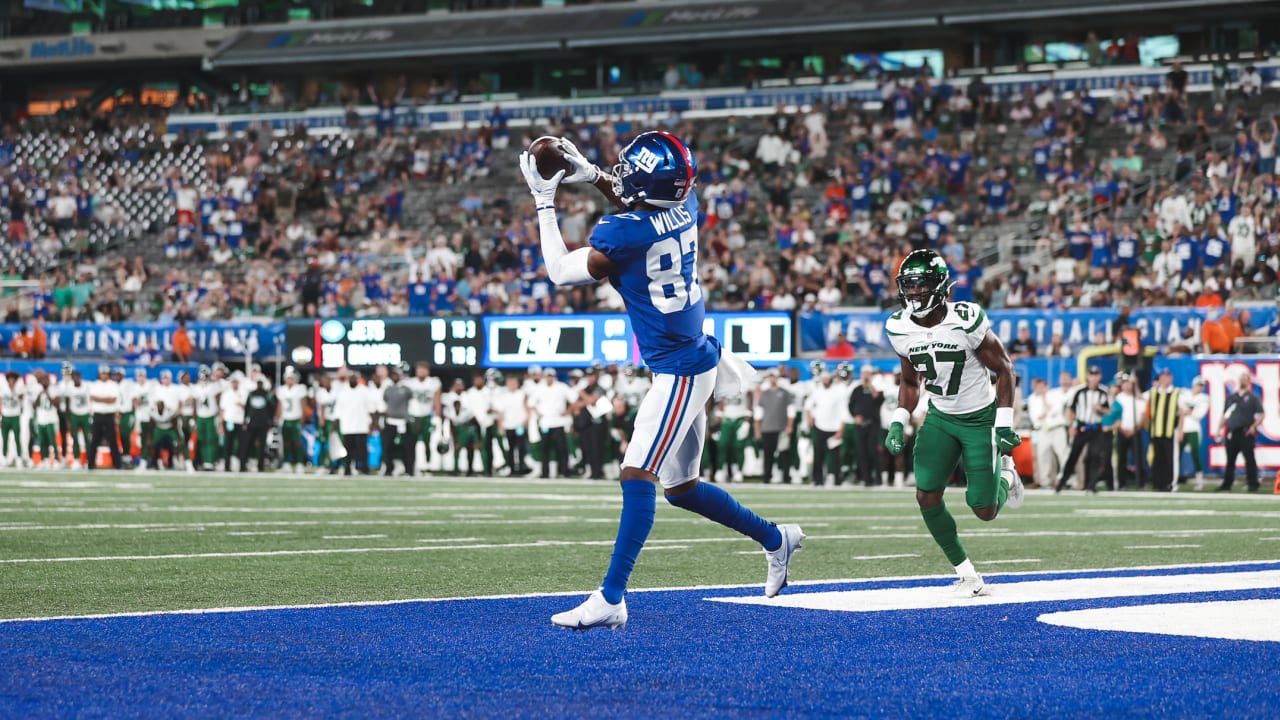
x=943, y=529
x=1002, y=492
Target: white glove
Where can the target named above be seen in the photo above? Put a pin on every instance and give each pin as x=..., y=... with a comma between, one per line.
x=542, y=189
x=583, y=170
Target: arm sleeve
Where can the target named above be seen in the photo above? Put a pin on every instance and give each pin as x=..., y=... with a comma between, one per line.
x=563, y=267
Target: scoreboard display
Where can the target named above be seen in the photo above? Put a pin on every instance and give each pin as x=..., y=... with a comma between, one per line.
x=454, y=342
x=763, y=339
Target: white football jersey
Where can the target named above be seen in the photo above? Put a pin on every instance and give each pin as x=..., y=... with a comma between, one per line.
x=951, y=375
x=325, y=399
x=291, y=400
x=422, y=401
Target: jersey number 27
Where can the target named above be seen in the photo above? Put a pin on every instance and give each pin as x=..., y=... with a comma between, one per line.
x=672, y=286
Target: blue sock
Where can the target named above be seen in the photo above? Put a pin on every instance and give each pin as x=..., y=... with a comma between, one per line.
x=713, y=503
x=639, y=504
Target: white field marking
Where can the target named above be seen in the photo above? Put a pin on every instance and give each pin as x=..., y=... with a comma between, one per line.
x=1158, y=547
x=337, y=523
x=75, y=484
x=1270, y=538
x=578, y=593
x=351, y=537
x=1225, y=620
x=1018, y=592
x=1010, y=562
x=893, y=527
x=554, y=543
x=446, y=540
x=250, y=533
x=1139, y=513
x=345, y=551
x=191, y=528
x=886, y=557
x=474, y=516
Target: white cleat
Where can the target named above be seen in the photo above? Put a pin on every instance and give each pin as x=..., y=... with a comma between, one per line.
x=969, y=586
x=780, y=559
x=1010, y=473
x=593, y=613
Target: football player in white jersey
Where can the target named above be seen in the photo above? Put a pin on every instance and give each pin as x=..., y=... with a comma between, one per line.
x=292, y=398
x=948, y=349
x=326, y=421
x=46, y=409
x=424, y=406
x=140, y=400
x=205, y=398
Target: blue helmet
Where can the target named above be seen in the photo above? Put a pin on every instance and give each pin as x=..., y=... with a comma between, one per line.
x=655, y=168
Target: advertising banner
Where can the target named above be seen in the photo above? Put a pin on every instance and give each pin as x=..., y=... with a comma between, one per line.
x=225, y=340
x=1158, y=326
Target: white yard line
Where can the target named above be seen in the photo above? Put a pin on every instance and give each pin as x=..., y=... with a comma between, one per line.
x=251, y=533
x=351, y=537
x=1158, y=547
x=886, y=557
x=555, y=543
x=578, y=593
x=1010, y=562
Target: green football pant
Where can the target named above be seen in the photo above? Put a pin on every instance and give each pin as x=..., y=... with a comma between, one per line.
x=127, y=421
x=489, y=437
x=162, y=439
x=535, y=448
x=324, y=460
x=80, y=426
x=146, y=429
x=848, y=448
x=207, y=440
x=729, y=448
x=466, y=437
x=11, y=426
x=291, y=442
x=47, y=438
x=1191, y=441
x=941, y=443
x=422, y=429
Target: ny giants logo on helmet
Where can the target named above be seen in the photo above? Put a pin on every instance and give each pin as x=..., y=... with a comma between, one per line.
x=647, y=160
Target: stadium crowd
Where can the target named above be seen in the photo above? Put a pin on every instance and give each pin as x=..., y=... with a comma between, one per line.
x=1148, y=197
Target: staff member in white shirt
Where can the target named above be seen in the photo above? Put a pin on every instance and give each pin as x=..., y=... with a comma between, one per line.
x=512, y=407
x=231, y=420
x=552, y=410
x=104, y=400
x=1046, y=408
x=354, y=408
x=828, y=407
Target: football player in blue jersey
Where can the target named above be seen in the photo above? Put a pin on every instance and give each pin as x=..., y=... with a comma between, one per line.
x=648, y=251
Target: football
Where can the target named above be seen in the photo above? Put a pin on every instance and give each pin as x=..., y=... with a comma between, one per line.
x=546, y=151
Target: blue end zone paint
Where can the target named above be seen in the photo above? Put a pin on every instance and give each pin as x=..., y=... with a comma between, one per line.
x=680, y=657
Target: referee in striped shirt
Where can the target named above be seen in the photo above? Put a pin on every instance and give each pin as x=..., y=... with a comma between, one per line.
x=1165, y=411
x=1088, y=406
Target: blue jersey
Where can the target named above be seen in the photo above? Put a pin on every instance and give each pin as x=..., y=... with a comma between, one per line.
x=656, y=254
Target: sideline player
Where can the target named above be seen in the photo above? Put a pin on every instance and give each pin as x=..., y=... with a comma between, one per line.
x=649, y=252
x=949, y=349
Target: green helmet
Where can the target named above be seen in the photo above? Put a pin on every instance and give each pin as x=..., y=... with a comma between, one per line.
x=924, y=282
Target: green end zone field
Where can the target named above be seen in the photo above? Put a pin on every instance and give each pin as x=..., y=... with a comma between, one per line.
x=83, y=543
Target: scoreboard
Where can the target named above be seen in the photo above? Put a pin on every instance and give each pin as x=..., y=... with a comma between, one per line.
x=453, y=342
x=763, y=339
